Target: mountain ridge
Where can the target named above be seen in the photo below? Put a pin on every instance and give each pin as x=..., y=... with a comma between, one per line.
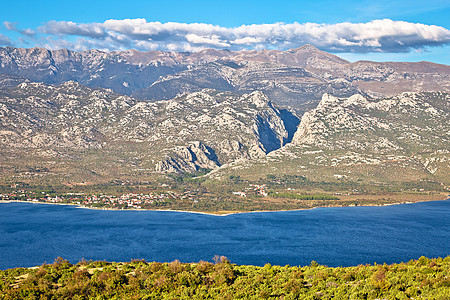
x=99, y=131
x=154, y=75
x=220, y=110
x=201, y=130
x=391, y=139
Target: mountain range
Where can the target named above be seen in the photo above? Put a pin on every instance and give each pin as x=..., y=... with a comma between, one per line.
x=297, y=78
x=93, y=116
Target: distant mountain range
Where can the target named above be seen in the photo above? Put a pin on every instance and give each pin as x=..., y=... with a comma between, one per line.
x=296, y=78
x=94, y=116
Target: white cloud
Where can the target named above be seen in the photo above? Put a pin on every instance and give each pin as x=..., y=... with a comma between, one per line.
x=375, y=36
x=12, y=26
x=212, y=40
x=4, y=40
x=91, y=30
x=247, y=41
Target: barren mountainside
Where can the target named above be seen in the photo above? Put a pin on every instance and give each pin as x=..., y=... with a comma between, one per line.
x=202, y=130
x=296, y=77
x=399, y=138
x=93, y=115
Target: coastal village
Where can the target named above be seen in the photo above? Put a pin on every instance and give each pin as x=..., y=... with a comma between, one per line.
x=149, y=200
x=124, y=201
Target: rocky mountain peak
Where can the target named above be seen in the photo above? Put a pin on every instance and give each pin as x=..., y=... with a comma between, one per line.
x=336, y=120
x=355, y=100
x=258, y=98
x=327, y=101
x=306, y=47
x=201, y=130
x=389, y=141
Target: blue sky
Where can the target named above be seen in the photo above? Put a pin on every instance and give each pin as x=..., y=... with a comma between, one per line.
x=352, y=29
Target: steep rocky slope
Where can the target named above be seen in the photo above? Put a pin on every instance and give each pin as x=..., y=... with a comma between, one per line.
x=124, y=72
x=79, y=128
x=216, y=111
x=392, y=78
x=400, y=138
x=296, y=77
x=287, y=85
x=8, y=80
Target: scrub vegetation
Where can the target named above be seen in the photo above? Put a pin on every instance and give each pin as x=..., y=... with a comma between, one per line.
x=417, y=279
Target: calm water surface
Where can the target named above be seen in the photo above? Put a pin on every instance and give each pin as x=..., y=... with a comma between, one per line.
x=31, y=234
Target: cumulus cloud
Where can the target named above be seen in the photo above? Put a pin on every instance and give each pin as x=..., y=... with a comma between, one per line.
x=91, y=30
x=213, y=40
x=375, y=36
x=13, y=27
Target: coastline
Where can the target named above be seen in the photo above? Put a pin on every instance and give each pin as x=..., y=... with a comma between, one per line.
x=131, y=209
x=222, y=213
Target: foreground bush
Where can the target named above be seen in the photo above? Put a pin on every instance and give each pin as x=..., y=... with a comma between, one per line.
x=419, y=279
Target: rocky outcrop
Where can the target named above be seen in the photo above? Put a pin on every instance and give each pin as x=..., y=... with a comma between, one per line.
x=285, y=85
x=385, y=141
x=188, y=159
x=234, y=127
x=123, y=72
x=201, y=130
x=399, y=138
x=400, y=123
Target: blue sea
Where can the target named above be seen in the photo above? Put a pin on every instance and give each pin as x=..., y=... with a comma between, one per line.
x=31, y=234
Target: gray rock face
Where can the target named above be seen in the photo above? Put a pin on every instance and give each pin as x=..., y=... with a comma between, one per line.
x=124, y=72
x=286, y=85
x=230, y=128
x=212, y=108
x=389, y=140
x=188, y=159
x=408, y=132
x=202, y=130
x=296, y=77
x=401, y=123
